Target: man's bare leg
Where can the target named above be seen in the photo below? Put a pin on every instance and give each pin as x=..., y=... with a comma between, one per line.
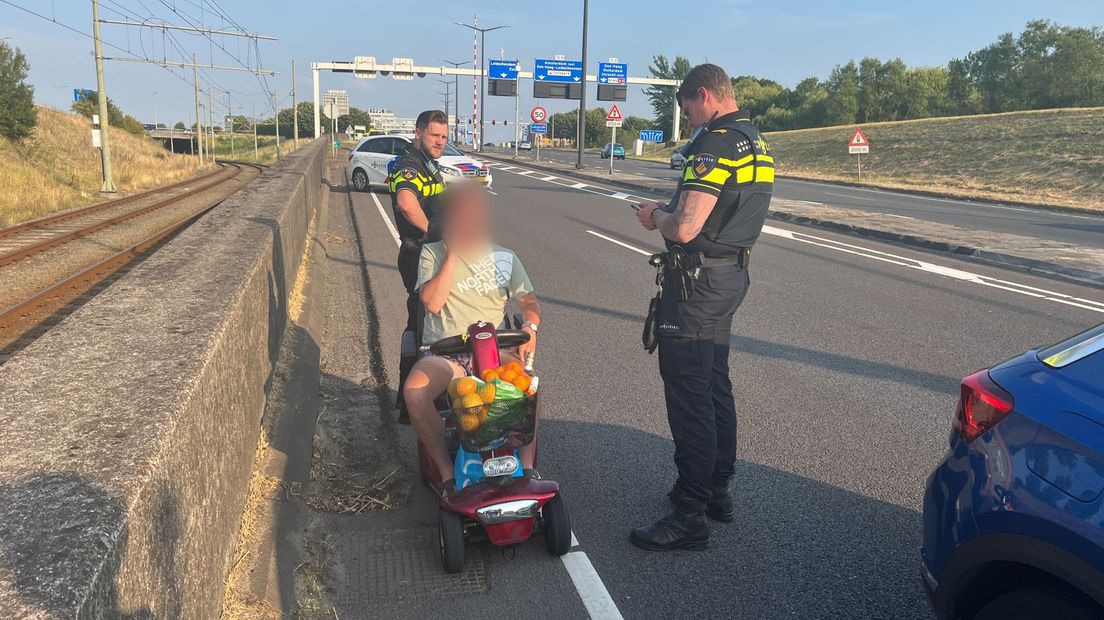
x=430, y=378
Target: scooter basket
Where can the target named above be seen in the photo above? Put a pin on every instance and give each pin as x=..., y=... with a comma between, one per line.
x=504, y=423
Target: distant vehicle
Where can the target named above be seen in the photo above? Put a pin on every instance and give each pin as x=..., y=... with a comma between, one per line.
x=488, y=144
x=1013, y=515
x=678, y=160
x=149, y=127
x=614, y=150
x=525, y=145
x=371, y=161
x=377, y=132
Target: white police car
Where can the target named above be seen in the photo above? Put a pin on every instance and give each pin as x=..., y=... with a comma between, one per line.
x=371, y=159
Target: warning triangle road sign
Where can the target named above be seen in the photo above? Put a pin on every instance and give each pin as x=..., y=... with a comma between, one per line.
x=858, y=138
x=614, y=114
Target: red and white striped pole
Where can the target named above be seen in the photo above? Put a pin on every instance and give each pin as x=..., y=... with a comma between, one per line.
x=478, y=139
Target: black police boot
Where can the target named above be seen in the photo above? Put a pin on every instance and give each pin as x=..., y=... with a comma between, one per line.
x=678, y=530
x=721, y=508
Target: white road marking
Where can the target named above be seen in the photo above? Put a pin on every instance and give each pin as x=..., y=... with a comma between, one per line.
x=620, y=243
x=886, y=257
x=577, y=185
x=945, y=200
x=619, y=195
x=597, y=600
x=386, y=220
x=492, y=192
x=949, y=272
x=549, y=178
x=574, y=541
x=903, y=217
x=851, y=197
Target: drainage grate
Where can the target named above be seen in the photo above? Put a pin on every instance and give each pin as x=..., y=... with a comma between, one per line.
x=402, y=565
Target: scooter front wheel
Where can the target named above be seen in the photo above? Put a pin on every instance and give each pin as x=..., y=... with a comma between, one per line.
x=451, y=528
x=557, y=526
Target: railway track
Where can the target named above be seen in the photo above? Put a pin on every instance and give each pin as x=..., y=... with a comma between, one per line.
x=30, y=317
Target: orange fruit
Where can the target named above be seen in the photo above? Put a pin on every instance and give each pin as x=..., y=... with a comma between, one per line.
x=487, y=393
x=522, y=382
x=489, y=375
x=516, y=367
x=471, y=402
x=453, y=394
x=466, y=386
x=509, y=375
x=469, y=422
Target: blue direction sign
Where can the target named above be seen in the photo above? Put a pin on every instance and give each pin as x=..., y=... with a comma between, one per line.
x=651, y=135
x=613, y=73
x=538, y=128
x=503, y=70
x=563, y=71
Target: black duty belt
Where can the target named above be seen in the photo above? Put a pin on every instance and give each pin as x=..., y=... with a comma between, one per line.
x=410, y=243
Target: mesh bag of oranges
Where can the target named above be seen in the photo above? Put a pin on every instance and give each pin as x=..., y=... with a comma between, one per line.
x=494, y=411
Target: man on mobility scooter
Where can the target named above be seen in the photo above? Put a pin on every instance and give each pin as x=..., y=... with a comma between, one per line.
x=464, y=283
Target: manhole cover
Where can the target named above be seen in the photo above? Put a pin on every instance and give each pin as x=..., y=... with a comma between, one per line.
x=404, y=565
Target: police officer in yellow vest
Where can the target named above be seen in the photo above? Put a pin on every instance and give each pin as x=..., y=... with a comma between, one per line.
x=416, y=187
x=709, y=228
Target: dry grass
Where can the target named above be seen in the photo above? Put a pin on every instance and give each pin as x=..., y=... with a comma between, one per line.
x=243, y=147
x=1053, y=157
x=1049, y=157
x=58, y=169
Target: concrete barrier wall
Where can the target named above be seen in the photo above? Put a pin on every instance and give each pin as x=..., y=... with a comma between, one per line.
x=127, y=432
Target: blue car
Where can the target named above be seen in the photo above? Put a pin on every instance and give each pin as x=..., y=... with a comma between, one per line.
x=613, y=150
x=1013, y=516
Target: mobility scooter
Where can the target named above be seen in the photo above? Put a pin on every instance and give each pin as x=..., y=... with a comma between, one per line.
x=494, y=498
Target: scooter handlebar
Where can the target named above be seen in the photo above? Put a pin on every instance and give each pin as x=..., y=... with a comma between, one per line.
x=507, y=338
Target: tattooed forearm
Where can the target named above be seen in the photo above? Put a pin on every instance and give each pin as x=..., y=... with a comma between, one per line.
x=689, y=217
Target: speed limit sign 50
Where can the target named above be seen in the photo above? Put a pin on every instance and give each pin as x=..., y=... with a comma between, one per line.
x=538, y=114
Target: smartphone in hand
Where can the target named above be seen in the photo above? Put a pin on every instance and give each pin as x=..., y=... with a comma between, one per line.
x=635, y=207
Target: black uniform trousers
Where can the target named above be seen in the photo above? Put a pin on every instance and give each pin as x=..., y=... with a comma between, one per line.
x=410, y=252
x=694, y=342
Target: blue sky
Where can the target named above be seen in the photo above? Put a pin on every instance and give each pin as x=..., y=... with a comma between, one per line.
x=785, y=40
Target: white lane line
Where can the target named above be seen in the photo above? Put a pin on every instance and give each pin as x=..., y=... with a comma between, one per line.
x=950, y=272
x=549, y=178
x=593, y=189
x=526, y=172
x=619, y=195
x=574, y=541
x=903, y=217
x=946, y=200
x=851, y=197
x=492, y=192
x=620, y=243
x=386, y=220
x=596, y=598
x=577, y=185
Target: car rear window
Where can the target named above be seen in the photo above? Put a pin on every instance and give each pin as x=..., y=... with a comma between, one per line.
x=1074, y=349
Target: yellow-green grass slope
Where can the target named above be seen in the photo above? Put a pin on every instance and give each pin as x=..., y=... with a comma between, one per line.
x=1048, y=157
x=57, y=168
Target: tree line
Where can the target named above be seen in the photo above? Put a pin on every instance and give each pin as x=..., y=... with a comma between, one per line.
x=1045, y=66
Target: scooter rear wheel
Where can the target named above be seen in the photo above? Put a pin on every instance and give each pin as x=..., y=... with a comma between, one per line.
x=557, y=526
x=451, y=528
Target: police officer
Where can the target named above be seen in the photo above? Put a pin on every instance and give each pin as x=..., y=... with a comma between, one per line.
x=416, y=187
x=709, y=228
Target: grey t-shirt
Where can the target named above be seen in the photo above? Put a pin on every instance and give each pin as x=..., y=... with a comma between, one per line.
x=480, y=290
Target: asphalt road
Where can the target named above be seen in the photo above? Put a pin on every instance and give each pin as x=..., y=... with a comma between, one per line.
x=846, y=364
x=1077, y=228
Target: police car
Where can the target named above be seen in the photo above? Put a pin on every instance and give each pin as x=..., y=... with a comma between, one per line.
x=372, y=158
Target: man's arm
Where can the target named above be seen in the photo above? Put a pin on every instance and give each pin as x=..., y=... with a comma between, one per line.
x=434, y=293
x=688, y=218
x=411, y=209
x=530, y=313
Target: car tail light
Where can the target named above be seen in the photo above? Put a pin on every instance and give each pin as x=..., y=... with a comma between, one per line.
x=981, y=405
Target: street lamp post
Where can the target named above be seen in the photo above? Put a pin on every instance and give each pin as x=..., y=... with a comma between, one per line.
x=446, y=94
x=456, y=89
x=482, y=72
